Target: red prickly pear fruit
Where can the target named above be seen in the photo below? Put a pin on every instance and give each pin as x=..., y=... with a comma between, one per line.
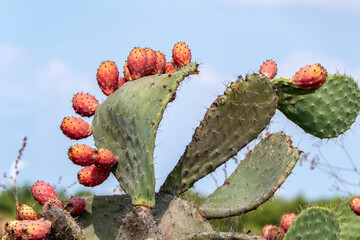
x=269, y=69
x=160, y=62
x=10, y=225
x=286, y=220
x=107, y=77
x=170, y=67
x=25, y=212
x=137, y=62
x=75, y=128
x=84, y=104
x=75, y=205
x=32, y=229
x=271, y=232
x=151, y=61
x=80, y=154
x=42, y=192
x=181, y=54
x=355, y=205
x=121, y=82
x=126, y=72
x=92, y=176
x=51, y=203
x=310, y=76
x=104, y=158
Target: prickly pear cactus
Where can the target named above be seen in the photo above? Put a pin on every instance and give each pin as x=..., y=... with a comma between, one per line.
x=125, y=126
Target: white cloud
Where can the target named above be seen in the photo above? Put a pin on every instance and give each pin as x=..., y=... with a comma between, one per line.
x=344, y=5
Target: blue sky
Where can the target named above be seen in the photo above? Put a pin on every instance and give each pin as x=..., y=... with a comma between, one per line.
x=50, y=50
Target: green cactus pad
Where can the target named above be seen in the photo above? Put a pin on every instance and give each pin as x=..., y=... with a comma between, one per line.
x=255, y=180
x=326, y=112
x=126, y=124
x=314, y=223
x=349, y=222
x=232, y=121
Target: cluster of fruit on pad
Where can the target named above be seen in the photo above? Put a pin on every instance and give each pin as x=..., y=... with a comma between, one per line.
x=31, y=225
x=141, y=62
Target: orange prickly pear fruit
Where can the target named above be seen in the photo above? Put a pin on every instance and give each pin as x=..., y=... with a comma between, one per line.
x=137, y=63
x=160, y=62
x=80, y=154
x=107, y=77
x=151, y=61
x=181, y=54
x=92, y=176
x=126, y=72
x=269, y=69
x=25, y=212
x=75, y=128
x=310, y=76
x=103, y=158
x=85, y=104
x=170, y=67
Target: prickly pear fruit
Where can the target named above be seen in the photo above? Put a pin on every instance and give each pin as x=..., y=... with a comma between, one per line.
x=160, y=62
x=84, y=104
x=126, y=72
x=355, y=205
x=75, y=205
x=107, y=77
x=269, y=69
x=32, y=229
x=92, y=176
x=42, y=192
x=51, y=203
x=286, y=220
x=80, y=154
x=310, y=76
x=170, y=67
x=104, y=158
x=10, y=225
x=25, y=212
x=121, y=81
x=181, y=54
x=272, y=232
x=151, y=61
x=75, y=128
x=137, y=62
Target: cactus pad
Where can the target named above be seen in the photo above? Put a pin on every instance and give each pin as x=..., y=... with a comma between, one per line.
x=255, y=180
x=126, y=124
x=232, y=121
x=326, y=112
x=314, y=223
x=349, y=222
